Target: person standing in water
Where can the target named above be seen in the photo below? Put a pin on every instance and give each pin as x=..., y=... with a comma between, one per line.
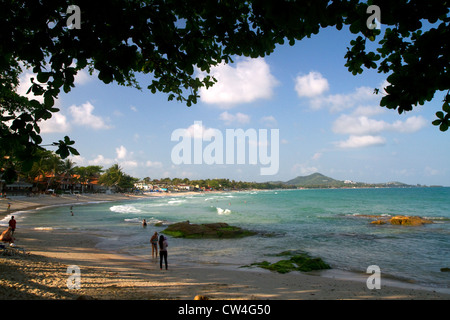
x=154, y=242
x=163, y=251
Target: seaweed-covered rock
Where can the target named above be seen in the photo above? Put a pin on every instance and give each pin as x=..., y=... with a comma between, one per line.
x=209, y=230
x=299, y=262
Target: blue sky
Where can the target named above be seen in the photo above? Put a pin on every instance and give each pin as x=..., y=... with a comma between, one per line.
x=329, y=121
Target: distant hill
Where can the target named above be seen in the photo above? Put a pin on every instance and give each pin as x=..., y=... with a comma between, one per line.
x=314, y=180
x=318, y=180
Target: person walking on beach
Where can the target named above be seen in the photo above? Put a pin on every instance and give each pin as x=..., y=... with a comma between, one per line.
x=163, y=251
x=154, y=242
x=12, y=224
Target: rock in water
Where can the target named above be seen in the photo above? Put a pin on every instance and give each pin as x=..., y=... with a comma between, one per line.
x=404, y=221
x=208, y=230
x=409, y=221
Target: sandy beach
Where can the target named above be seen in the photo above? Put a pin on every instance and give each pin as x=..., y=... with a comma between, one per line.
x=41, y=273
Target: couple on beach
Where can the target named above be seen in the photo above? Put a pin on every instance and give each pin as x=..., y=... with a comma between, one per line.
x=162, y=248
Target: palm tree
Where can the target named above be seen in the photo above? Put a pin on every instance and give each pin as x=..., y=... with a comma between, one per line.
x=55, y=165
x=68, y=170
x=112, y=176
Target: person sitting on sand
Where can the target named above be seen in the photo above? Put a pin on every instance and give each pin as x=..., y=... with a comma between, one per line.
x=154, y=242
x=6, y=236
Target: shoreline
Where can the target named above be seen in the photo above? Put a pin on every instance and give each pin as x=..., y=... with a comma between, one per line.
x=42, y=274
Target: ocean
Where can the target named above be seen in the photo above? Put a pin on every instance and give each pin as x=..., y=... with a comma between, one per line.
x=326, y=223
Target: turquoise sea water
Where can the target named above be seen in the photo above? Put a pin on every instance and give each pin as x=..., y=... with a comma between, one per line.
x=324, y=223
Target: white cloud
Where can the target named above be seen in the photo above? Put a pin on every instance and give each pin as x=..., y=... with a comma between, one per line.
x=25, y=84
x=79, y=160
x=348, y=124
x=121, y=152
x=82, y=115
x=199, y=131
x=248, y=81
x=269, y=121
x=303, y=169
x=339, y=102
x=317, y=156
x=100, y=160
x=431, y=172
x=129, y=164
x=229, y=118
x=368, y=110
x=311, y=85
x=83, y=77
x=361, y=125
x=57, y=123
x=154, y=164
x=361, y=141
x=412, y=124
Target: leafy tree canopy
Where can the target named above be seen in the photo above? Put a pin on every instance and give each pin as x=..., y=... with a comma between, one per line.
x=169, y=39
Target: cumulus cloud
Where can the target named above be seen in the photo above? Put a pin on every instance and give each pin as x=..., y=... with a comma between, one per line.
x=57, y=123
x=361, y=141
x=121, y=152
x=360, y=125
x=343, y=101
x=25, y=84
x=199, y=131
x=100, y=160
x=229, y=118
x=83, y=77
x=83, y=115
x=248, y=81
x=311, y=85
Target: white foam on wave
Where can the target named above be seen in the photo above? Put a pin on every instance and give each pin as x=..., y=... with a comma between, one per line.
x=176, y=201
x=124, y=209
x=221, y=211
x=150, y=221
x=44, y=228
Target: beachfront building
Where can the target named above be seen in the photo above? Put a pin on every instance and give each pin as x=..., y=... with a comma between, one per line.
x=184, y=187
x=70, y=184
x=143, y=186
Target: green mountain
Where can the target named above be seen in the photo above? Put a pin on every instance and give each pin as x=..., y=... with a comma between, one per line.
x=317, y=180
